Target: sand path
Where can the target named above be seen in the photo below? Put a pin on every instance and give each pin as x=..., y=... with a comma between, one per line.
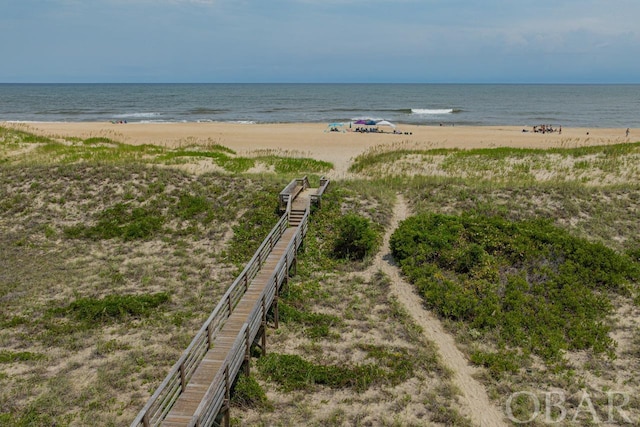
x=474, y=400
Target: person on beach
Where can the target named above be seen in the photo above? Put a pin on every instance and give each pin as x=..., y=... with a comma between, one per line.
x=627, y=133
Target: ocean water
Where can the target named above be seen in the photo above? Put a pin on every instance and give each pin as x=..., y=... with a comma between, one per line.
x=420, y=104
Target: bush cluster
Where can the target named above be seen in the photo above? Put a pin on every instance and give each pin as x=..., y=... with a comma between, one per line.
x=356, y=238
x=144, y=219
x=292, y=372
x=112, y=307
x=316, y=325
x=541, y=289
x=121, y=220
x=247, y=393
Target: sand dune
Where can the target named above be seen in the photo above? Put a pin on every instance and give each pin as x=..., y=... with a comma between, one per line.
x=313, y=140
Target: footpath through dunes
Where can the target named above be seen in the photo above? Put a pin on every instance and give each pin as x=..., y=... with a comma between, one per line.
x=474, y=400
x=196, y=391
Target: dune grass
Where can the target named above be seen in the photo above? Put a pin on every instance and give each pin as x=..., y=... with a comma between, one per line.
x=19, y=147
x=112, y=257
x=591, y=165
x=107, y=271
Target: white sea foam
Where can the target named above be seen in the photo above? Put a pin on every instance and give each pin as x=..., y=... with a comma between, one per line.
x=136, y=115
x=468, y=104
x=432, y=111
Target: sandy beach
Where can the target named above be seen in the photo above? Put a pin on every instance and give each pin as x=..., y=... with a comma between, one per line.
x=315, y=141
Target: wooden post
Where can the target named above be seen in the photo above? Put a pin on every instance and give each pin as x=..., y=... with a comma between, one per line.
x=295, y=265
x=227, y=385
x=145, y=419
x=183, y=377
x=209, y=341
x=286, y=270
x=276, y=313
x=227, y=397
x=264, y=327
x=247, y=353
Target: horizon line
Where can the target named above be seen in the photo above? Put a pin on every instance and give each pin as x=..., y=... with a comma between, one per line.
x=327, y=83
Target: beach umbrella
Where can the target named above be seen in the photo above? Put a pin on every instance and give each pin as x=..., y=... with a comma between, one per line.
x=360, y=122
x=385, y=123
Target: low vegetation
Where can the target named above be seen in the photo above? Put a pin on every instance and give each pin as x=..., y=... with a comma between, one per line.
x=343, y=341
x=95, y=312
x=586, y=165
x=20, y=147
x=356, y=238
x=110, y=262
x=531, y=286
x=113, y=255
x=248, y=394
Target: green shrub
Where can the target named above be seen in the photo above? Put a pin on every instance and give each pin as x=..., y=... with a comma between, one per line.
x=121, y=220
x=392, y=365
x=247, y=393
x=292, y=372
x=253, y=227
x=317, y=325
x=112, y=307
x=356, y=237
x=7, y=356
x=189, y=206
x=497, y=363
x=538, y=287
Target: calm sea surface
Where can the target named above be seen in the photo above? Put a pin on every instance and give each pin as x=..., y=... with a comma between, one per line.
x=422, y=104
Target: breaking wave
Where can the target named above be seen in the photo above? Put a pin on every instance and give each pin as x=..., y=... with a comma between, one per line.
x=434, y=111
x=136, y=115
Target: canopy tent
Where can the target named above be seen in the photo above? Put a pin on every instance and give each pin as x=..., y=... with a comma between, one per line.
x=368, y=122
x=385, y=123
x=373, y=122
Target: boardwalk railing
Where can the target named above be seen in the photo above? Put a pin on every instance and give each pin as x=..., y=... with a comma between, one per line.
x=317, y=198
x=292, y=190
x=217, y=395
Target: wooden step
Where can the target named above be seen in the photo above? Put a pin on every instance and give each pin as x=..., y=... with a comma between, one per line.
x=295, y=217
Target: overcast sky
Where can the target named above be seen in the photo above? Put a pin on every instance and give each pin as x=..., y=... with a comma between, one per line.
x=431, y=41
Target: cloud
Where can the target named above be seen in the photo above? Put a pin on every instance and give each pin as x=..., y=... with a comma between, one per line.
x=267, y=40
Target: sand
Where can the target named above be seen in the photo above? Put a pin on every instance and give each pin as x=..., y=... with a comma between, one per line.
x=313, y=140
x=474, y=400
x=340, y=148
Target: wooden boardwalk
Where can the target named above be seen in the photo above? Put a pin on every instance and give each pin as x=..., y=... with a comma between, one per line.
x=196, y=391
x=188, y=402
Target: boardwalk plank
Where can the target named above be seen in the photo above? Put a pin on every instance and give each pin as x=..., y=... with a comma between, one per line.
x=187, y=403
